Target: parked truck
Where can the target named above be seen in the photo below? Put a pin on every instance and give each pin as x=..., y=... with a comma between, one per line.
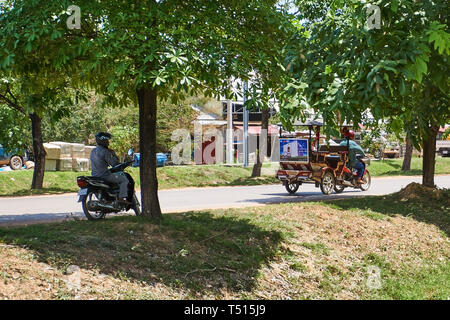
x=12, y=159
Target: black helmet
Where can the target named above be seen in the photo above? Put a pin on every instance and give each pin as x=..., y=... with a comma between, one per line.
x=102, y=137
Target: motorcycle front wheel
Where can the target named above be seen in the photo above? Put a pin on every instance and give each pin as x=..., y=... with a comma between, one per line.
x=91, y=215
x=367, y=180
x=136, y=206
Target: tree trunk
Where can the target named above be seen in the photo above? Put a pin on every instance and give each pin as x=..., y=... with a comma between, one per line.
x=256, y=172
x=408, y=154
x=38, y=152
x=147, y=98
x=429, y=157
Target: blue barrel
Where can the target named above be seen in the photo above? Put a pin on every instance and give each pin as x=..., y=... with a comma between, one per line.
x=161, y=159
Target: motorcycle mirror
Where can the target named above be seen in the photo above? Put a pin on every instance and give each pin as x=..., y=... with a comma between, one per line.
x=130, y=152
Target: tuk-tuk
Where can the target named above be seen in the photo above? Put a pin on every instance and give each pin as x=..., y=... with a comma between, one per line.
x=303, y=159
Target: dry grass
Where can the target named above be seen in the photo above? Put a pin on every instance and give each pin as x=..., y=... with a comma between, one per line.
x=333, y=249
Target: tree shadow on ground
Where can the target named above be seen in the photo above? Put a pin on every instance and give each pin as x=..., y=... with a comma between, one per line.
x=401, y=173
x=44, y=191
x=198, y=251
x=254, y=181
x=430, y=211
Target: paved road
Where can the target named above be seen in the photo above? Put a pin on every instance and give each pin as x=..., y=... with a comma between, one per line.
x=32, y=209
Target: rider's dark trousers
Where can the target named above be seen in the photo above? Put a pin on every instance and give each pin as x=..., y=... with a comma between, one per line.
x=121, y=180
x=359, y=166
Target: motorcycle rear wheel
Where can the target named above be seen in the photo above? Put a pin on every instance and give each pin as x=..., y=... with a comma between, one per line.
x=91, y=215
x=339, y=188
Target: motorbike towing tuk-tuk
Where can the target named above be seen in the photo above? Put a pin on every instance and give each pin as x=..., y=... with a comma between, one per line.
x=303, y=159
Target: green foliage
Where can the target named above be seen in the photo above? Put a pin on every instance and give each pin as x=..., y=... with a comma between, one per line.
x=341, y=69
x=446, y=134
x=124, y=138
x=18, y=100
x=373, y=143
x=92, y=115
x=122, y=46
x=15, y=130
x=83, y=119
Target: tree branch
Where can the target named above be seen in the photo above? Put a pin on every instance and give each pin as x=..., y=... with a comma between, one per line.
x=11, y=104
x=8, y=90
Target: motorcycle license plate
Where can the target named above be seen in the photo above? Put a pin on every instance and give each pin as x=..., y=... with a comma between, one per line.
x=83, y=192
x=445, y=152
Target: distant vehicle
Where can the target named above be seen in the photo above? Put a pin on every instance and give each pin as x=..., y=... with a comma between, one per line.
x=443, y=147
x=391, y=154
x=13, y=159
x=302, y=162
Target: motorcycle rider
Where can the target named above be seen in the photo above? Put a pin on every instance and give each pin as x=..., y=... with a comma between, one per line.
x=102, y=157
x=354, y=149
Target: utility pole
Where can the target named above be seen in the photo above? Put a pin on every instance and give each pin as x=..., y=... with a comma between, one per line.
x=245, y=116
x=229, y=132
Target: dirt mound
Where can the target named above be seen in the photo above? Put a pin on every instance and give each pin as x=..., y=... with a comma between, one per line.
x=416, y=191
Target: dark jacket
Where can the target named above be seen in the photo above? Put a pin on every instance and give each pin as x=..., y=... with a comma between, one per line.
x=354, y=150
x=101, y=158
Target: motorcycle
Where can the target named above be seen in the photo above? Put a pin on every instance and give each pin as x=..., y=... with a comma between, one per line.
x=99, y=197
x=350, y=178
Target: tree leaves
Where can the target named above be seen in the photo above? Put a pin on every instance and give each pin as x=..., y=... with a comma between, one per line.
x=389, y=72
x=402, y=87
x=440, y=37
x=421, y=68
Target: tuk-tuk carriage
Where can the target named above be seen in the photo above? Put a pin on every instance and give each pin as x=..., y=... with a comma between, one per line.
x=305, y=160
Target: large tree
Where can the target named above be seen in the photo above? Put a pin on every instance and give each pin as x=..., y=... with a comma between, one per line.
x=28, y=100
x=144, y=50
x=28, y=86
x=348, y=71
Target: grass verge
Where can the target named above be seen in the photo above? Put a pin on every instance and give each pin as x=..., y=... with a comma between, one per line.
x=392, y=167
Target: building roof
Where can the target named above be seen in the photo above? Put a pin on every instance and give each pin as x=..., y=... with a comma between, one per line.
x=256, y=130
x=209, y=122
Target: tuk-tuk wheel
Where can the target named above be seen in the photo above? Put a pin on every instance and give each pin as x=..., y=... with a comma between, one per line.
x=291, y=187
x=328, y=183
